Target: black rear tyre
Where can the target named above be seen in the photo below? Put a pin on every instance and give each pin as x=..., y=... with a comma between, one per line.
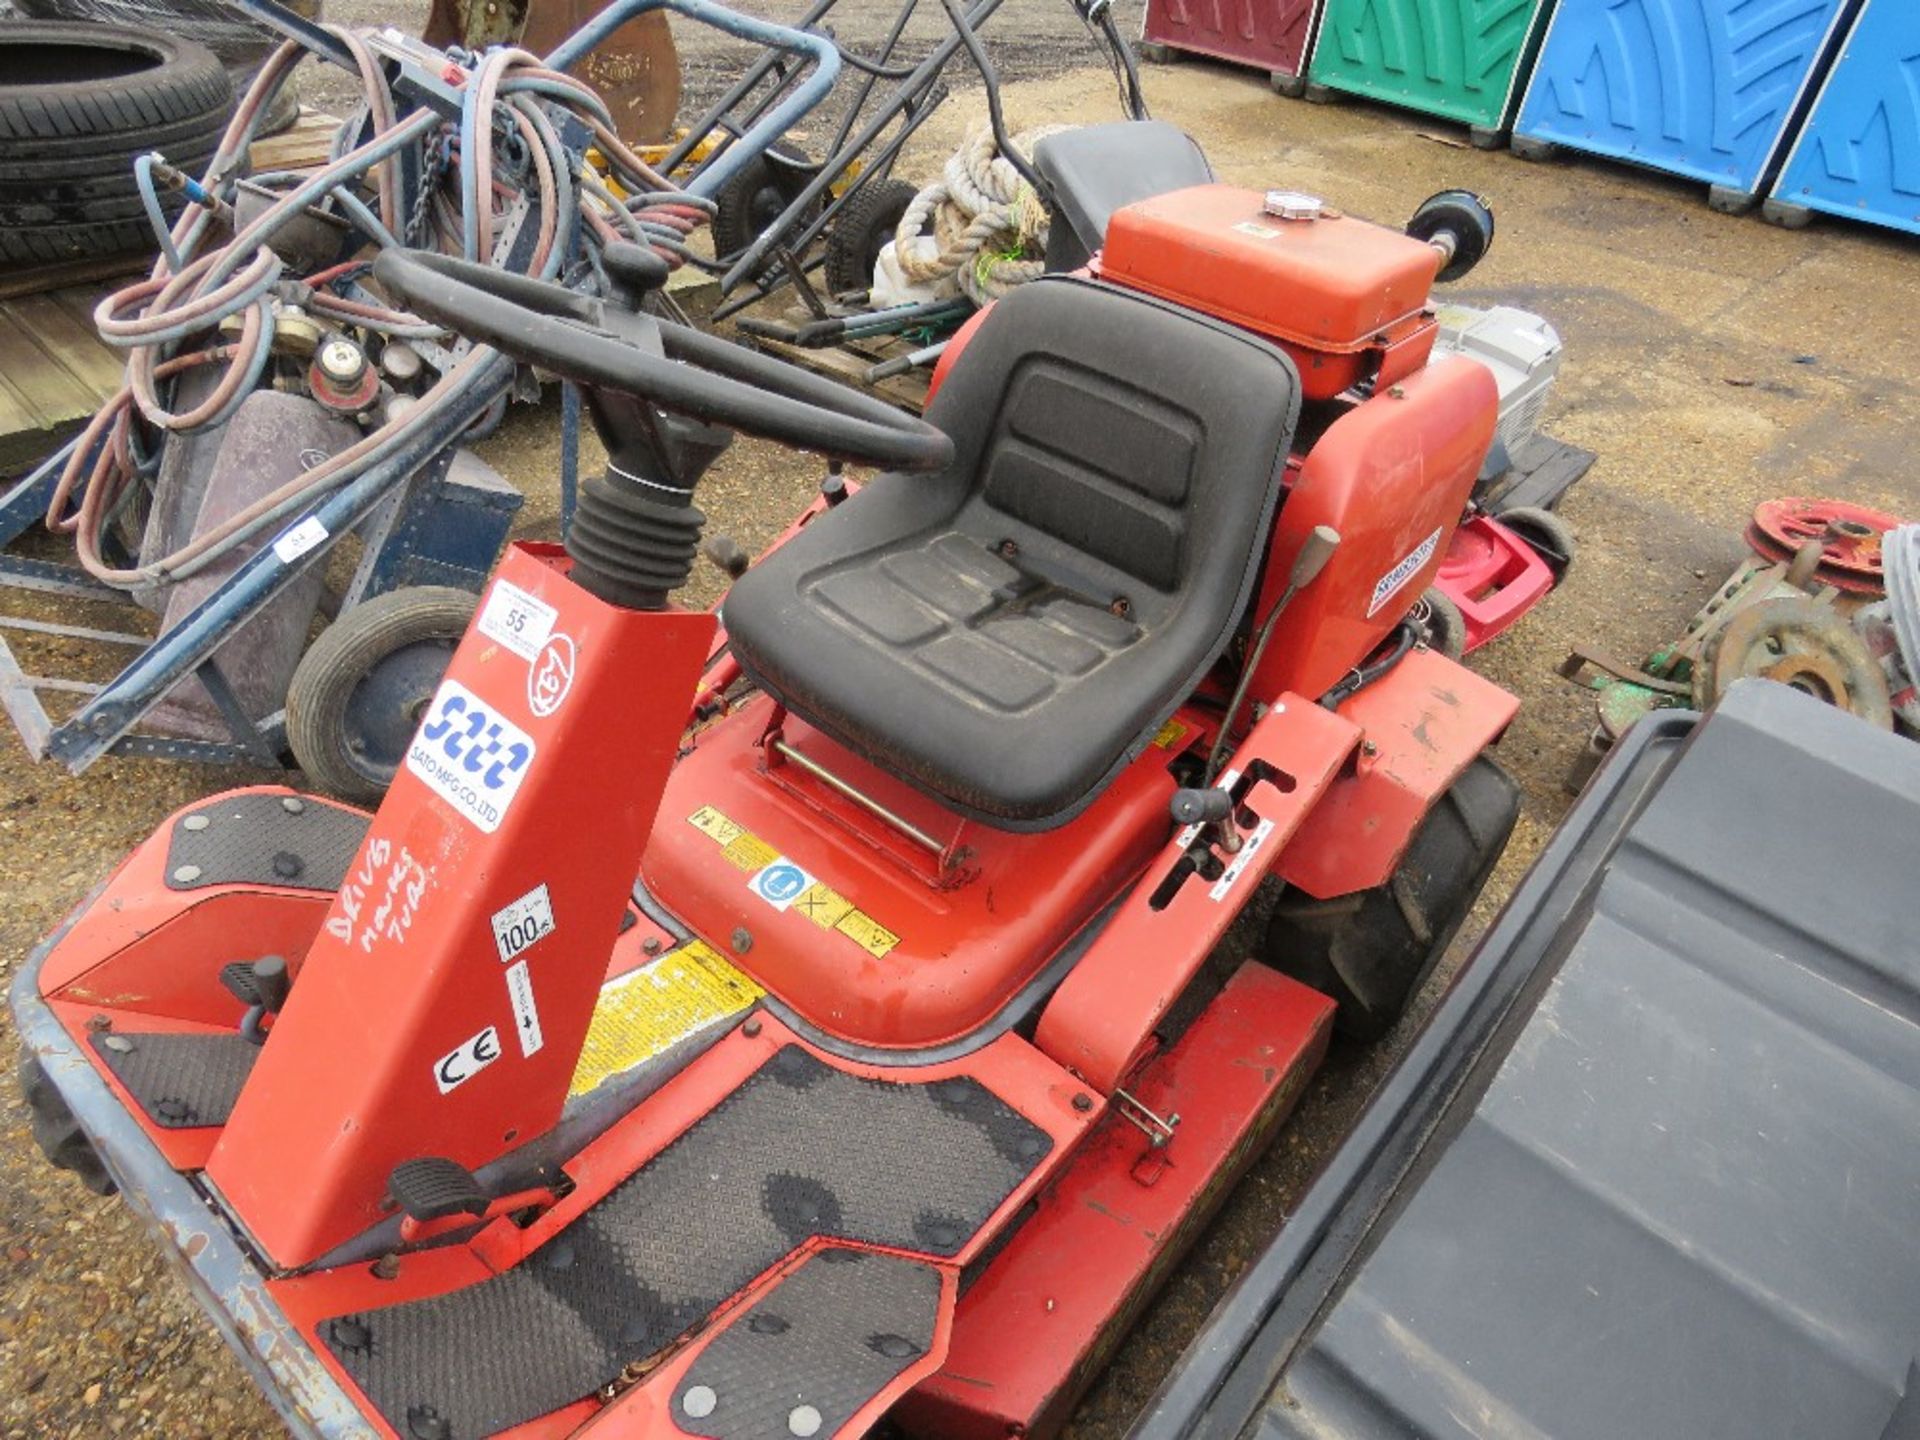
x=57, y=1133
x=1371, y=951
x=861, y=231
x=78, y=104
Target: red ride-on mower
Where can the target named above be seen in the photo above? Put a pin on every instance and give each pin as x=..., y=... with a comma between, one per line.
x=900, y=1076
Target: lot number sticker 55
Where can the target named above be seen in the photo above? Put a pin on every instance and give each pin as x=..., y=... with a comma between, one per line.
x=470, y=756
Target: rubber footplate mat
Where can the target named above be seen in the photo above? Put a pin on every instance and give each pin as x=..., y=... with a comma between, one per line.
x=263, y=839
x=182, y=1080
x=826, y=1341
x=800, y=1149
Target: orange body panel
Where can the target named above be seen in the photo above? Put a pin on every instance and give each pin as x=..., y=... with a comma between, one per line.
x=1100, y=1023
x=408, y=1033
x=1347, y=299
x=966, y=938
x=1032, y=1332
x=1393, y=476
x=1426, y=720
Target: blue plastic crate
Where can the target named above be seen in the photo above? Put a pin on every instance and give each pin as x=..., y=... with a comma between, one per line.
x=1701, y=88
x=1859, y=152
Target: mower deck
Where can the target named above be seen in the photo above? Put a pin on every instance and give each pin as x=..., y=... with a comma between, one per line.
x=823, y=1232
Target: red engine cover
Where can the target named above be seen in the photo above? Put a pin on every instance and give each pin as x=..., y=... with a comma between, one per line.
x=1344, y=297
x=1392, y=475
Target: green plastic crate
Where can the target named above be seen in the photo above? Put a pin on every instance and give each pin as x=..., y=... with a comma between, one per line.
x=1465, y=60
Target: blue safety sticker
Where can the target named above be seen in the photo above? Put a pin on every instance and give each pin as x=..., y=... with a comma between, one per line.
x=781, y=883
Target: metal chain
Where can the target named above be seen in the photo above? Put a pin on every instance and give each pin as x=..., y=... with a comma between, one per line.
x=436, y=155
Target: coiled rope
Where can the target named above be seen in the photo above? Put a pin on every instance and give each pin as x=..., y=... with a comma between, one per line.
x=990, y=226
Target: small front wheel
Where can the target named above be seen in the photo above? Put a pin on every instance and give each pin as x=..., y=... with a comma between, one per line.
x=1439, y=618
x=861, y=230
x=1550, y=537
x=57, y=1133
x=359, y=692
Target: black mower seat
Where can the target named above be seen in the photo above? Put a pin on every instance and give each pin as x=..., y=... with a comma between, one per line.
x=1094, y=170
x=1008, y=633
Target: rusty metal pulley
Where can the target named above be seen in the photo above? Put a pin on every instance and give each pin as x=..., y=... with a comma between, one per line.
x=1797, y=642
x=1848, y=536
x=636, y=69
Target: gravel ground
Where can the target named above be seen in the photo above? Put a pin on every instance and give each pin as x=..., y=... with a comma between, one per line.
x=1711, y=362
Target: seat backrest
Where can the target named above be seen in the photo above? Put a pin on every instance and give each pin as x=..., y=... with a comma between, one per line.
x=1126, y=447
x=1095, y=169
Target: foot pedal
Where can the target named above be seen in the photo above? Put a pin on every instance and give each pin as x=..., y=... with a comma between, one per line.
x=237, y=977
x=433, y=1188
x=263, y=982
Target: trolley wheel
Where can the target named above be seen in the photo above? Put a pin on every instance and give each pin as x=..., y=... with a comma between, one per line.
x=751, y=201
x=1371, y=951
x=57, y=1133
x=1446, y=627
x=1550, y=537
x=359, y=692
x=861, y=231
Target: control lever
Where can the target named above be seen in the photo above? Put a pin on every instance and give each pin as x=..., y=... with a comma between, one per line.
x=1315, y=551
x=727, y=553
x=437, y=1196
x=1213, y=807
x=262, y=987
x=1200, y=807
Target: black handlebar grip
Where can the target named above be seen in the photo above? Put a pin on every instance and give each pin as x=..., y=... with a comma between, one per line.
x=1196, y=807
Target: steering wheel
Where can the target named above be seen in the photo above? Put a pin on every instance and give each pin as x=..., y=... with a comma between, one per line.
x=610, y=344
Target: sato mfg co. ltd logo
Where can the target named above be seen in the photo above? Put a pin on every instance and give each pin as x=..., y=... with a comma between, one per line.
x=471, y=756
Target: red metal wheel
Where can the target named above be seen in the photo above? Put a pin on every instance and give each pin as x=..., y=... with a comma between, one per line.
x=1851, y=534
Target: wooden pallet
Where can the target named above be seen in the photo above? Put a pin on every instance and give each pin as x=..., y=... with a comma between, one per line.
x=850, y=362
x=54, y=370
x=303, y=145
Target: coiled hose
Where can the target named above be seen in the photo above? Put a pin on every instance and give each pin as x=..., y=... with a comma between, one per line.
x=171, y=322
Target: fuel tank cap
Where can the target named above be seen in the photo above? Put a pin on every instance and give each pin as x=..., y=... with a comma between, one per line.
x=1294, y=205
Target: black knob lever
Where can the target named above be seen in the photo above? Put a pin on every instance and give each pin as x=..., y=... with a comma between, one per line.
x=1201, y=807
x=632, y=270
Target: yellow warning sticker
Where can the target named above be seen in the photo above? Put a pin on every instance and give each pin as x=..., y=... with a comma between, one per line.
x=715, y=826
x=749, y=851
x=868, y=933
x=1171, y=734
x=819, y=902
x=647, y=1011
x=823, y=905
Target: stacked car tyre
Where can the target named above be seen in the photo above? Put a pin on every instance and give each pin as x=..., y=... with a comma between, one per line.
x=79, y=103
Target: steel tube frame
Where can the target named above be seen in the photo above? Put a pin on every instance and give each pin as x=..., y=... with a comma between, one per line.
x=103, y=725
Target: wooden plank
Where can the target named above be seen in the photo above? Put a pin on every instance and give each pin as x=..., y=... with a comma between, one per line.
x=37, y=278
x=54, y=371
x=305, y=145
x=849, y=363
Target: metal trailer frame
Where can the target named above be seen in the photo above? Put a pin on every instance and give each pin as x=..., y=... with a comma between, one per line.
x=387, y=504
x=922, y=91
